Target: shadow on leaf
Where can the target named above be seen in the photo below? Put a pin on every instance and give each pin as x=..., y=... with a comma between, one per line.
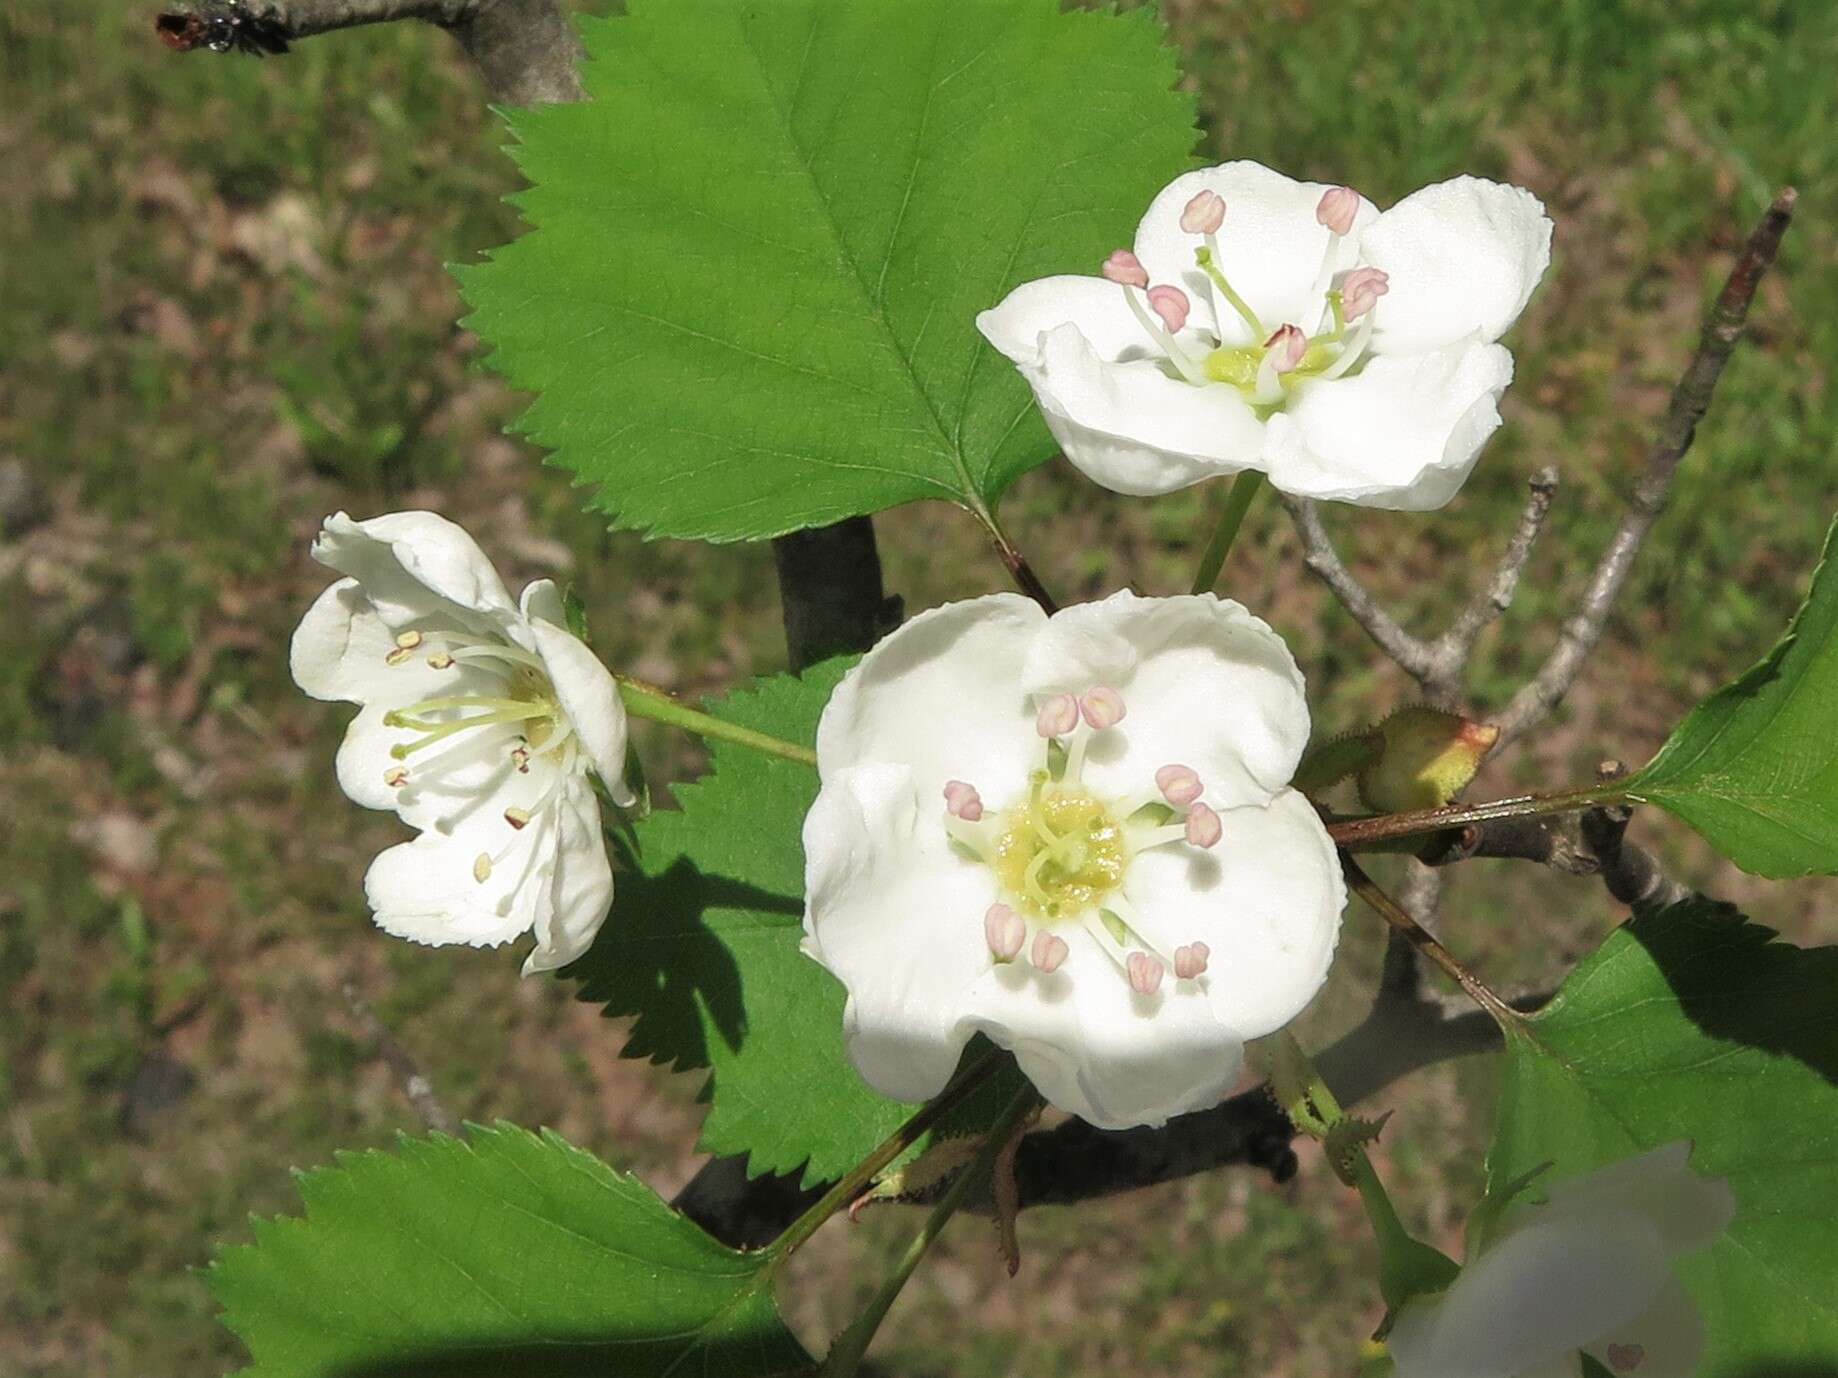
x=587, y=1358
x=660, y=957
x=1737, y=981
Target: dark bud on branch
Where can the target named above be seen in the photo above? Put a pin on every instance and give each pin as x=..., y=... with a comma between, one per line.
x=222, y=26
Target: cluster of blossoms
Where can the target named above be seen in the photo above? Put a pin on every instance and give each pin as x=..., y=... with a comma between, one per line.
x=1289, y=327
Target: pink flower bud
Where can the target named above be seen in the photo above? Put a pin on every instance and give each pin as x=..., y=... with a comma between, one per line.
x=1005, y=931
x=1102, y=707
x=1058, y=716
x=1180, y=785
x=1145, y=973
x=1190, y=961
x=962, y=801
x=1124, y=267
x=1337, y=209
x=1361, y=289
x=1203, y=826
x=1049, y=952
x=1204, y=214
x=1286, y=347
x=1171, y=304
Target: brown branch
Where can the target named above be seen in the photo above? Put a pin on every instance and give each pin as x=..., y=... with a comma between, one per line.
x=415, y=1087
x=1690, y=399
x=1322, y=558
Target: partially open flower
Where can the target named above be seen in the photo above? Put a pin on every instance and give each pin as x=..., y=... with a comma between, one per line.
x=1139, y=892
x=480, y=720
x=1591, y=1271
x=1382, y=327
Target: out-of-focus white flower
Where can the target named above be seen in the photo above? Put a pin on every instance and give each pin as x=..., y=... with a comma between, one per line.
x=1263, y=323
x=1074, y=834
x=480, y=719
x=1588, y=1272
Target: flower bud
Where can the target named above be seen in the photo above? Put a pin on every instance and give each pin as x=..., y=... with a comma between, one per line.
x=1361, y=289
x=1102, y=708
x=1286, y=347
x=1338, y=207
x=1125, y=268
x=1427, y=757
x=1204, y=214
x=1171, y=304
x=1180, y=785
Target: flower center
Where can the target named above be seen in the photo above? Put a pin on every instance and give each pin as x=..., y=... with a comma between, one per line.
x=1061, y=853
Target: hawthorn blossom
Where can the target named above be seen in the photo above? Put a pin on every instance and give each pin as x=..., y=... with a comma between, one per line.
x=1076, y=835
x=1264, y=323
x=480, y=720
x=1590, y=1271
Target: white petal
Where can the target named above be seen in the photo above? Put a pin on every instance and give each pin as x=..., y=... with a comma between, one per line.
x=1096, y=1049
x=897, y=916
x=1097, y=307
x=590, y=697
x=414, y=563
x=1540, y=1293
x=579, y=885
x=1267, y=902
x=1271, y=247
x=339, y=648
x=1687, y=1209
x=425, y=891
x=1206, y=685
x=1664, y=1341
x=541, y=598
x=1131, y=427
x=1463, y=256
x=942, y=695
x=1403, y=433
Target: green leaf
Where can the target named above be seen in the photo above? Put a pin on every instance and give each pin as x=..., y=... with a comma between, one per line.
x=748, y=301
x=703, y=947
x=506, y=1252
x=1692, y=1023
x=1755, y=766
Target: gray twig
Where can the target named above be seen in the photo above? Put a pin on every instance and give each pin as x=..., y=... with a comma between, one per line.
x=416, y=1087
x=1690, y=399
x=1321, y=556
x=1628, y=869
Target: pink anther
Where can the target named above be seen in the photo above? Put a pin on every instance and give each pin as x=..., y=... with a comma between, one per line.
x=1204, y=214
x=962, y=801
x=1337, y=209
x=1180, y=785
x=1203, y=826
x=1125, y=268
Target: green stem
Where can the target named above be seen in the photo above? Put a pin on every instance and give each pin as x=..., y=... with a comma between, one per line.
x=648, y=701
x=1237, y=503
x=846, y=1354
x=1359, y=834
x=892, y=1147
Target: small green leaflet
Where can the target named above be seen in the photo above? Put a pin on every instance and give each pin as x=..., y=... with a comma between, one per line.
x=503, y=1253
x=1755, y=766
x=747, y=303
x=703, y=947
x=1692, y=1023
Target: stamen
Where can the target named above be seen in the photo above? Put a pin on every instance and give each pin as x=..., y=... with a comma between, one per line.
x=517, y=818
x=1102, y=707
x=962, y=801
x=1208, y=259
x=441, y=661
x=1124, y=268
x=481, y=868
x=1057, y=716
x=1049, y=952
x=1204, y=214
x=1145, y=973
x=1286, y=348
x=1361, y=289
x=520, y=757
x=399, y=656
x=1338, y=207
x=1005, y=931
x=1171, y=304
x=1190, y=961
x=1179, y=357
x=1354, y=350
x=396, y=777
x=408, y=640
x=1179, y=785
x=434, y=732
x=1203, y=826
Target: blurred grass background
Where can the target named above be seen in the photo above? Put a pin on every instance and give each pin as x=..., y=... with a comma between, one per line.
x=224, y=313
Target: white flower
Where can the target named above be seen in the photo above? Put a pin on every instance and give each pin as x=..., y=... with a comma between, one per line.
x=1075, y=835
x=1589, y=1271
x=1292, y=328
x=480, y=719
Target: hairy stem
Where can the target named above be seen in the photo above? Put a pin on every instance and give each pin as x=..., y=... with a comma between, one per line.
x=648, y=701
